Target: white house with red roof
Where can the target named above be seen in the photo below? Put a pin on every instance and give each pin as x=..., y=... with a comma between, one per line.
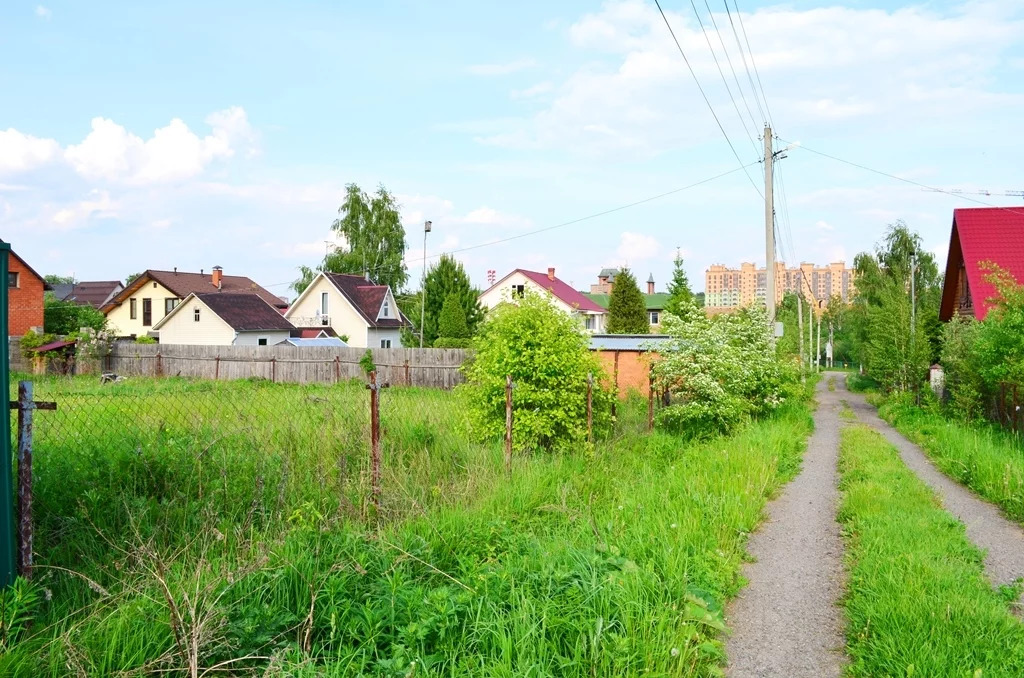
x=592, y=317
x=362, y=313
x=979, y=235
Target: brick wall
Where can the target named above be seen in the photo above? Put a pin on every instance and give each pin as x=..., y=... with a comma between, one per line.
x=634, y=369
x=24, y=302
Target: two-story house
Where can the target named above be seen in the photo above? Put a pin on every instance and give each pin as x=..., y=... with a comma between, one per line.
x=591, y=316
x=363, y=313
x=25, y=290
x=135, y=310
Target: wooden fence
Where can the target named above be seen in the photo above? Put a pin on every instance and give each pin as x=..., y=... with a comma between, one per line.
x=430, y=367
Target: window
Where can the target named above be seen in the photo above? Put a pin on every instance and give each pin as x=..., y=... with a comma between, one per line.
x=262, y=341
x=195, y=314
x=12, y=279
x=590, y=322
x=133, y=310
x=147, y=312
x=385, y=343
x=518, y=291
x=323, y=303
x=169, y=304
x=654, y=317
x=386, y=310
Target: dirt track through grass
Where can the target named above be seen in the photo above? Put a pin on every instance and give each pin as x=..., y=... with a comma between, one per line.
x=1000, y=538
x=787, y=621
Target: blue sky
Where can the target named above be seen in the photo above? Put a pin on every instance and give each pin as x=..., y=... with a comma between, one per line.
x=154, y=135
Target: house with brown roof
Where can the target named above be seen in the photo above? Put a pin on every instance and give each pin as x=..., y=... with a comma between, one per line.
x=25, y=290
x=363, y=314
x=224, y=319
x=136, y=309
x=592, y=316
x=980, y=235
x=95, y=293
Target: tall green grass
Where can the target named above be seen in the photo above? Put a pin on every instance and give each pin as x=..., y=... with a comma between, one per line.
x=212, y=529
x=982, y=457
x=917, y=601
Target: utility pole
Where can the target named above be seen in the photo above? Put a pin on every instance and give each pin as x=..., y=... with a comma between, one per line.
x=769, y=228
x=817, y=356
x=423, y=282
x=913, y=301
x=800, y=322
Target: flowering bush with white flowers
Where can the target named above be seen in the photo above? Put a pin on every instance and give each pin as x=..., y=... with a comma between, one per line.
x=719, y=371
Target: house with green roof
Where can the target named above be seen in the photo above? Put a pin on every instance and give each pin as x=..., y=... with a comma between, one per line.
x=601, y=293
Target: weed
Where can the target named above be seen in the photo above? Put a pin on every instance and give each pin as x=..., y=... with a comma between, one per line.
x=918, y=601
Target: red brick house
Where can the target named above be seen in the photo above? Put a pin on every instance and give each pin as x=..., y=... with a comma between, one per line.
x=980, y=234
x=25, y=290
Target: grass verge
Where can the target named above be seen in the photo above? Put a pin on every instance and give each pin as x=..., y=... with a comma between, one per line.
x=918, y=603
x=206, y=529
x=982, y=457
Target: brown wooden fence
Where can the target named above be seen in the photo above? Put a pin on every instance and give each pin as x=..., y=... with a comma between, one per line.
x=430, y=367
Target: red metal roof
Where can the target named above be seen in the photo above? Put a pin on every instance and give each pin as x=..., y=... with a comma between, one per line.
x=562, y=291
x=982, y=234
x=366, y=298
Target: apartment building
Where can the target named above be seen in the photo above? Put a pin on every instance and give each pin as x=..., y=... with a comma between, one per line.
x=729, y=288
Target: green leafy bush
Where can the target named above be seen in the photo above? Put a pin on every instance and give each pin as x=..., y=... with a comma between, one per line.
x=452, y=328
x=32, y=340
x=547, y=356
x=65, y=317
x=719, y=371
x=144, y=339
x=446, y=342
x=366, y=362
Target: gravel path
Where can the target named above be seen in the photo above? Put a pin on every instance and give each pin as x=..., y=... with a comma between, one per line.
x=787, y=622
x=1000, y=538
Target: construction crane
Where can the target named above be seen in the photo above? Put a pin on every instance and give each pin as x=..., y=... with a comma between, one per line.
x=960, y=191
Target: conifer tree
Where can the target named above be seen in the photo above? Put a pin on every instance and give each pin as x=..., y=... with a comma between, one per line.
x=627, y=312
x=679, y=292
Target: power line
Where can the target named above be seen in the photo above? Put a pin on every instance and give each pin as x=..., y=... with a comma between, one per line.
x=728, y=59
x=903, y=179
x=736, y=106
x=706, y=100
x=565, y=223
x=739, y=17
x=745, y=66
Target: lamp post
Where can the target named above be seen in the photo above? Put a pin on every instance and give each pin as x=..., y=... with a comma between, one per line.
x=423, y=282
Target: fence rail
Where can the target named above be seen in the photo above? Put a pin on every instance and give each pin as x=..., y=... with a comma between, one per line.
x=430, y=367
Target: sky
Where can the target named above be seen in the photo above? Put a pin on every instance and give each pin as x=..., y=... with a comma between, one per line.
x=193, y=134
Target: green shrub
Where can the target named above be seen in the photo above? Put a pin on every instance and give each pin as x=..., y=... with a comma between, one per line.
x=548, y=358
x=32, y=340
x=446, y=342
x=452, y=323
x=366, y=362
x=144, y=339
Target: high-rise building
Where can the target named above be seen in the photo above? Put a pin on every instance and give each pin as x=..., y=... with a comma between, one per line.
x=726, y=289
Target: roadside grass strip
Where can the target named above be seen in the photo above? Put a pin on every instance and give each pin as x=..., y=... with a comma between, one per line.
x=985, y=459
x=918, y=603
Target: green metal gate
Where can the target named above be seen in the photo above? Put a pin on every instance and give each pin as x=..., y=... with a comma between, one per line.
x=6, y=460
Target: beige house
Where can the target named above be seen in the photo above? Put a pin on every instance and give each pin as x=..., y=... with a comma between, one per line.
x=224, y=319
x=135, y=310
x=363, y=314
x=591, y=316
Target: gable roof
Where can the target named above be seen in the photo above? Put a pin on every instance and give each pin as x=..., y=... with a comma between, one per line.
x=183, y=284
x=243, y=312
x=94, y=293
x=609, y=273
x=366, y=298
x=652, y=302
x=46, y=285
x=561, y=290
x=981, y=234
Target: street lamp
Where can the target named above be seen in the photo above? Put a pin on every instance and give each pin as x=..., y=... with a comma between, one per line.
x=423, y=281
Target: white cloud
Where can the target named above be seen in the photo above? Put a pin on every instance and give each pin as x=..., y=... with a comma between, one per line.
x=98, y=205
x=21, y=152
x=533, y=91
x=43, y=12
x=823, y=226
x=635, y=247
x=502, y=69
x=110, y=152
x=635, y=97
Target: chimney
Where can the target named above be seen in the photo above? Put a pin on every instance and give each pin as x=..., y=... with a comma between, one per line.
x=175, y=270
x=551, y=273
x=217, y=277
x=650, y=284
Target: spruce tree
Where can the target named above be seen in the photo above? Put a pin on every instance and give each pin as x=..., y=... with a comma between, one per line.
x=452, y=323
x=627, y=312
x=679, y=292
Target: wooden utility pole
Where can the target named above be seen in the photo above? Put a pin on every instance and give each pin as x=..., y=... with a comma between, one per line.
x=769, y=229
x=590, y=407
x=800, y=322
x=508, y=424
x=817, y=356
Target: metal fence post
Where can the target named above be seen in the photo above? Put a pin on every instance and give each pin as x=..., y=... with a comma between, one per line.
x=374, y=439
x=6, y=498
x=508, y=424
x=25, y=408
